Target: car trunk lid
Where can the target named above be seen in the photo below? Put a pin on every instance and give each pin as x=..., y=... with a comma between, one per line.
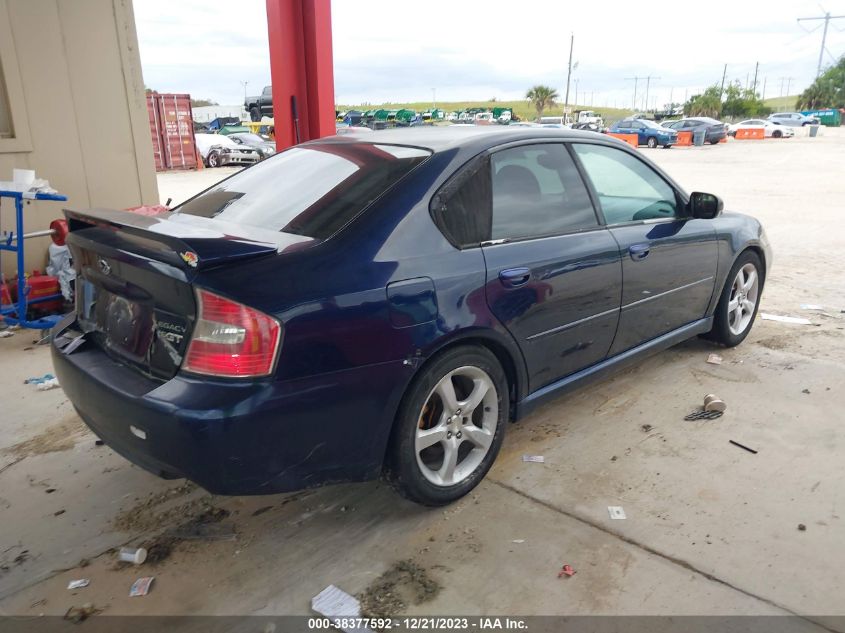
x=135, y=276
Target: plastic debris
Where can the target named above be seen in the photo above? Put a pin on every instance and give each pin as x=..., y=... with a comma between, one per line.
x=37, y=380
x=78, y=584
x=6, y=334
x=141, y=587
x=714, y=359
x=334, y=602
x=616, y=512
x=518, y=541
x=566, y=570
x=743, y=446
x=134, y=555
x=812, y=306
x=785, y=319
x=538, y=459
x=47, y=384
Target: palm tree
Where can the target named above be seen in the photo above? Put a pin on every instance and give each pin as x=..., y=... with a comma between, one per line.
x=542, y=97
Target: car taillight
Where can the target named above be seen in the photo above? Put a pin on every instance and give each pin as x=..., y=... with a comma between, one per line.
x=231, y=339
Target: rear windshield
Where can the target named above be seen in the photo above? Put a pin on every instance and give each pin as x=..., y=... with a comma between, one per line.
x=311, y=191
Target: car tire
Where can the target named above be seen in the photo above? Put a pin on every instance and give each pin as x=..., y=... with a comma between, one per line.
x=777, y=134
x=255, y=114
x=651, y=142
x=730, y=327
x=667, y=146
x=418, y=464
x=714, y=141
x=213, y=159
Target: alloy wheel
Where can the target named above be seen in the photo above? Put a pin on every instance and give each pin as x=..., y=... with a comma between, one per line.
x=745, y=291
x=456, y=426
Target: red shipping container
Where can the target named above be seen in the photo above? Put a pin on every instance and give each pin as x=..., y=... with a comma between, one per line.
x=172, y=130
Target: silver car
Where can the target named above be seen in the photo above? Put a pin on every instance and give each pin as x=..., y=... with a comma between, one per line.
x=793, y=119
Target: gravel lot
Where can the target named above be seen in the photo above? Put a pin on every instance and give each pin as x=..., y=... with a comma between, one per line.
x=710, y=528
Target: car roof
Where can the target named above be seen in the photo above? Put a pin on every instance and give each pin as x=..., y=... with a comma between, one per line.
x=443, y=138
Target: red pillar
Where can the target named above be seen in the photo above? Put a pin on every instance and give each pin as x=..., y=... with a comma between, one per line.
x=301, y=67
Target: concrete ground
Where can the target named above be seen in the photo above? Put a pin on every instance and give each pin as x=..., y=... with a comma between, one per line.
x=710, y=528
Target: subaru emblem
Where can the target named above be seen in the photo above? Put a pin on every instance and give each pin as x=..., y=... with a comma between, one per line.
x=104, y=266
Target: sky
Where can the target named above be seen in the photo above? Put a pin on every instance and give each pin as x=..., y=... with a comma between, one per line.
x=470, y=50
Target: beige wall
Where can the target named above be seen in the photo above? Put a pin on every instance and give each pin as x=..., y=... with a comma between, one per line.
x=73, y=77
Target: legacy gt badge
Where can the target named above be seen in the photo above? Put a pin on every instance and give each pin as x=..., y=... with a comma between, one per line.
x=190, y=258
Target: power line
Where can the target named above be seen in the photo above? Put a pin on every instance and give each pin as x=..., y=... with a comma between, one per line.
x=827, y=18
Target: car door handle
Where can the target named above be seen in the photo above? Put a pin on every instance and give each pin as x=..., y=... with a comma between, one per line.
x=639, y=251
x=514, y=277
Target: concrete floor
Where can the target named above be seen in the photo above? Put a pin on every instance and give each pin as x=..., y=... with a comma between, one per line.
x=710, y=528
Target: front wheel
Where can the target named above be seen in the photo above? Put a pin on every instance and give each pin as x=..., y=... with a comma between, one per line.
x=652, y=142
x=213, y=159
x=739, y=301
x=777, y=134
x=450, y=427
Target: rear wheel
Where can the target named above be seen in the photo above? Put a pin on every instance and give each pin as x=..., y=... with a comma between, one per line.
x=714, y=141
x=739, y=301
x=255, y=114
x=777, y=134
x=652, y=142
x=450, y=427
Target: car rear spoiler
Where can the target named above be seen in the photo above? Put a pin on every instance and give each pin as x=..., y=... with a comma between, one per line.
x=187, y=241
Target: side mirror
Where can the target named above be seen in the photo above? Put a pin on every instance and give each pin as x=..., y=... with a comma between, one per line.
x=705, y=206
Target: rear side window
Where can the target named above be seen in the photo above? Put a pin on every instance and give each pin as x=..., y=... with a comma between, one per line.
x=538, y=191
x=311, y=191
x=462, y=207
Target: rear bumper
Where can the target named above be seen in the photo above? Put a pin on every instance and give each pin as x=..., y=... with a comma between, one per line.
x=236, y=437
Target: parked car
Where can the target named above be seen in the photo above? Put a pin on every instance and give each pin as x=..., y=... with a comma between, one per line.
x=648, y=132
x=217, y=151
x=589, y=126
x=353, y=307
x=261, y=105
x=772, y=129
x=261, y=145
x=793, y=119
x=714, y=131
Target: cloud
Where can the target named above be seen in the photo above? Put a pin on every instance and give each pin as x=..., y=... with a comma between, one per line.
x=471, y=51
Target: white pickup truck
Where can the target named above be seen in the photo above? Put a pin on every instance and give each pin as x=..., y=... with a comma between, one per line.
x=588, y=116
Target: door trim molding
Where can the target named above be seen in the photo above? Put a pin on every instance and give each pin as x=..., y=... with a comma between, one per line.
x=668, y=292
x=561, y=328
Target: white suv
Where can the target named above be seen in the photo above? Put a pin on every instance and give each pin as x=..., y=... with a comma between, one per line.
x=794, y=119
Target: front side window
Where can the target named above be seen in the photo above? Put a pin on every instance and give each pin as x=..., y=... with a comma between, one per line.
x=538, y=191
x=628, y=189
x=312, y=191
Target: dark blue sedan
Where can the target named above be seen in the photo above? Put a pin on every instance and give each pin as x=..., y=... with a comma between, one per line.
x=358, y=307
x=648, y=132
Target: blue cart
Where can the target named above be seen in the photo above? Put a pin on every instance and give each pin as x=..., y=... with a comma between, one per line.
x=15, y=314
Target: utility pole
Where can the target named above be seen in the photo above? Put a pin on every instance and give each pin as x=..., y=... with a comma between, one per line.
x=647, y=84
x=568, y=74
x=763, y=98
x=244, y=84
x=575, y=100
x=756, y=68
x=827, y=18
x=788, y=83
x=636, y=81
x=722, y=89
